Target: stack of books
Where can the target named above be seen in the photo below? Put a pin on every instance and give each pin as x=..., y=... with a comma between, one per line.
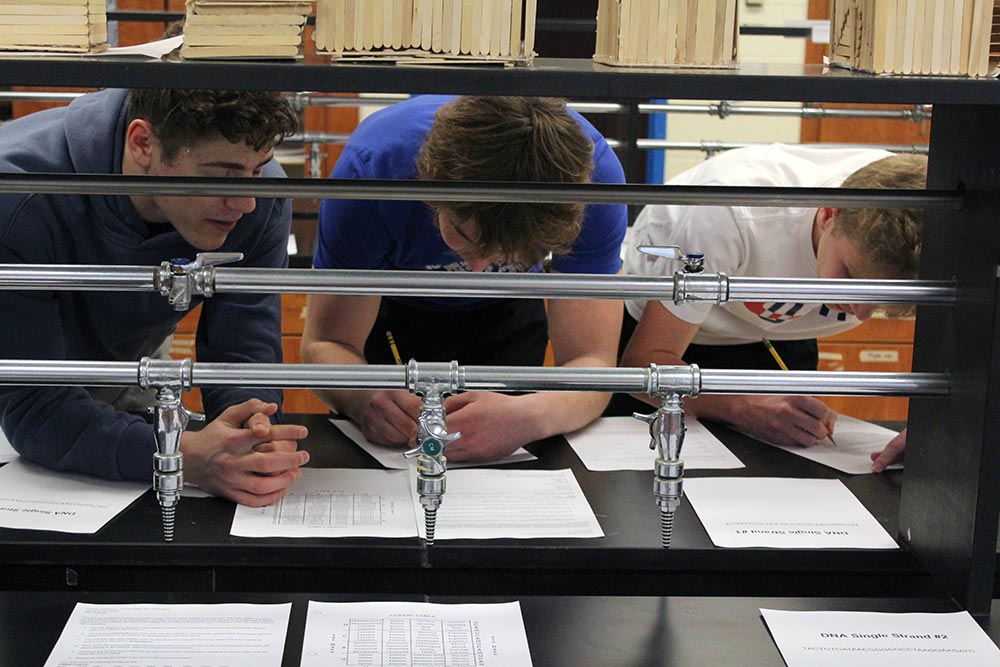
x=667, y=33
x=240, y=29
x=501, y=31
x=916, y=36
x=76, y=26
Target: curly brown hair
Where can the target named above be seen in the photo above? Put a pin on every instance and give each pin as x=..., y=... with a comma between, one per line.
x=260, y=119
x=889, y=238
x=517, y=139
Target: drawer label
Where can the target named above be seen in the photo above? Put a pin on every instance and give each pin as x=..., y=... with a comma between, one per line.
x=880, y=356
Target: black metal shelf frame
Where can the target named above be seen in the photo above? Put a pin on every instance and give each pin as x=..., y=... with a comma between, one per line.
x=950, y=503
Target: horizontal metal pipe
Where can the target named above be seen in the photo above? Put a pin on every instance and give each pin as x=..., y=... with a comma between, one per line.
x=62, y=372
x=587, y=193
x=826, y=383
x=717, y=146
x=724, y=109
x=720, y=289
x=683, y=379
x=83, y=277
x=689, y=287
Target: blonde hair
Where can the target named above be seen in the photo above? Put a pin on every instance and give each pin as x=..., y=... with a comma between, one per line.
x=889, y=238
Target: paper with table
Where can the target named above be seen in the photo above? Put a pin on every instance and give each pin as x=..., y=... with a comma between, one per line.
x=161, y=635
x=478, y=504
x=392, y=458
x=857, y=440
x=38, y=498
x=622, y=443
x=784, y=513
x=414, y=633
x=874, y=639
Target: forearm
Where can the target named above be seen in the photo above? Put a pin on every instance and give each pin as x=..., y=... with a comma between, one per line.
x=347, y=402
x=548, y=413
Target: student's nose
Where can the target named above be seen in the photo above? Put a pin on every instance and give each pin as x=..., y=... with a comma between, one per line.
x=862, y=311
x=479, y=264
x=242, y=204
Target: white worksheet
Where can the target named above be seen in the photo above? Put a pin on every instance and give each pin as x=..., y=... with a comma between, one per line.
x=176, y=635
x=622, y=443
x=392, y=458
x=38, y=498
x=7, y=451
x=483, y=504
x=412, y=634
x=856, y=441
x=784, y=513
x=873, y=639
x=335, y=502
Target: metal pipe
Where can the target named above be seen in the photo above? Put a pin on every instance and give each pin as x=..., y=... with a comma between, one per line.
x=539, y=193
x=714, y=287
x=78, y=277
x=724, y=108
x=675, y=379
x=712, y=147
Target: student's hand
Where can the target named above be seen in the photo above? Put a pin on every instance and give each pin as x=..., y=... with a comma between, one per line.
x=242, y=456
x=389, y=418
x=892, y=453
x=490, y=425
x=787, y=420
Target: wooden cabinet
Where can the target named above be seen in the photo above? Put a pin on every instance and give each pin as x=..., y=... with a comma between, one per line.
x=293, y=317
x=879, y=345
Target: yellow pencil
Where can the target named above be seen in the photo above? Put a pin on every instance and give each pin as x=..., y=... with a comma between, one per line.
x=774, y=353
x=781, y=364
x=392, y=346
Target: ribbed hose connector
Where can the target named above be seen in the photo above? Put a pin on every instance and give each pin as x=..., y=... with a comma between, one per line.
x=666, y=527
x=430, y=523
x=168, y=522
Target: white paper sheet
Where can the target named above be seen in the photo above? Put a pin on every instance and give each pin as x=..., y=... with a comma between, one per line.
x=334, y=502
x=784, y=513
x=415, y=633
x=7, y=451
x=622, y=443
x=37, y=498
x=872, y=639
x=856, y=439
x=157, y=49
x=483, y=504
x=478, y=504
x=392, y=458
x=157, y=635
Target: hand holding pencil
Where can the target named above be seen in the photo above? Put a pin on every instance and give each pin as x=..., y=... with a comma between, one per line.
x=782, y=366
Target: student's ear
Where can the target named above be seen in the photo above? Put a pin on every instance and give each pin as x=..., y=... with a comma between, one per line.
x=139, y=142
x=825, y=216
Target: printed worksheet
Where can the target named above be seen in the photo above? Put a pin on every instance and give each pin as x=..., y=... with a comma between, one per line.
x=7, y=452
x=414, y=634
x=477, y=504
x=172, y=635
x=335, y=502
x=392, y=458
x=784, y=513
x=874, y=639
x=484, y=504
x=37, y=498
x=856, y=440
x=622, y=443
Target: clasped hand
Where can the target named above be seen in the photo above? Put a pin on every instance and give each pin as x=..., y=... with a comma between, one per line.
x=242, y=456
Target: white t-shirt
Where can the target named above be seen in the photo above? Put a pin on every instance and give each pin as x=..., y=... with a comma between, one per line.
x=748, y=241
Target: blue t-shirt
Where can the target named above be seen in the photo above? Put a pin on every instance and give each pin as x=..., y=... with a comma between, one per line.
x=400, y=235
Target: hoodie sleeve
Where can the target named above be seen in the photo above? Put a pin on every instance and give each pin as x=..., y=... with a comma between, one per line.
x=63, y=428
